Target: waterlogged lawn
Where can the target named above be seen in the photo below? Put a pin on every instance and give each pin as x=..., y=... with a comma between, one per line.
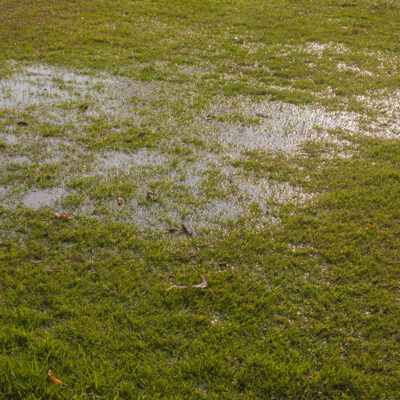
x=148, y=144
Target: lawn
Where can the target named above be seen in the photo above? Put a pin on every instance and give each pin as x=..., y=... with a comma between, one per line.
x=251, y=145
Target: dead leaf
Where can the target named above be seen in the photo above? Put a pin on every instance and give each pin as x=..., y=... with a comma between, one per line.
x=55, y=380
x=63, y=216
x=111, y=290
x=370, y=226
x=173, y=230
x=22, y=123
x=201, y=285
x=52, y=270
x=182, y=229
x=77, y=260
x=262, y=115
x=185, y=230
x=152, y=196
x=193, y=254
x=120, y=201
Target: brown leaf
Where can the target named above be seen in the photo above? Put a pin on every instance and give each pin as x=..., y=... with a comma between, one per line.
x=193, y=254
x=201, y=285
x=152, y=196
x=370, y=226
x=55, y=380
x=185, y=230
x=262, y=115
x=120, y=201
x=63, y=216
x=78, y=260
x=111, y=290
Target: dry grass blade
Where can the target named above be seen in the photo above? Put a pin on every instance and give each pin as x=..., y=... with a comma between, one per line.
x=201, y=285
x=55, y=380
x=51, y=270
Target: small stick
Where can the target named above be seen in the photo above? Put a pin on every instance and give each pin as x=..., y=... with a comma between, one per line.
x=201, y=285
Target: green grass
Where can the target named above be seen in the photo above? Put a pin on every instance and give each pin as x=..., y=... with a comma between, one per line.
x=307, y=308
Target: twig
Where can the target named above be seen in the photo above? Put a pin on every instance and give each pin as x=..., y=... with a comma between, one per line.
x=201, y=285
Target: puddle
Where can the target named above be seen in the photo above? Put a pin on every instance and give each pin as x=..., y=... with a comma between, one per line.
x=42, y=197
x=387, y=123
x=140, y=158
x=265, y=190
x=57, y=94
x=191, y=170
x=285, y=127
x=353, y=68
x=10, y=138
x=15, y=160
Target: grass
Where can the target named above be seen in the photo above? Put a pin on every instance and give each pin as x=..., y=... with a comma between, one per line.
x=306, y=307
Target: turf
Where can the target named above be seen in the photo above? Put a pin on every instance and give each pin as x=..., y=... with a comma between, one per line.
x=301, y=305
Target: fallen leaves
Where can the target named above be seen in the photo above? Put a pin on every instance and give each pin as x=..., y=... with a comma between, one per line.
x=370, y=226
x=201, y=285
x=182, y=229
x=151, y=196
x=78, y=260
x=63, y=216
x=55, y=380
x=120, y=201
x=185, y=230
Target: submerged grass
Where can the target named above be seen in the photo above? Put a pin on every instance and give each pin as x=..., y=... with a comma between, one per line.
x=302, y=299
